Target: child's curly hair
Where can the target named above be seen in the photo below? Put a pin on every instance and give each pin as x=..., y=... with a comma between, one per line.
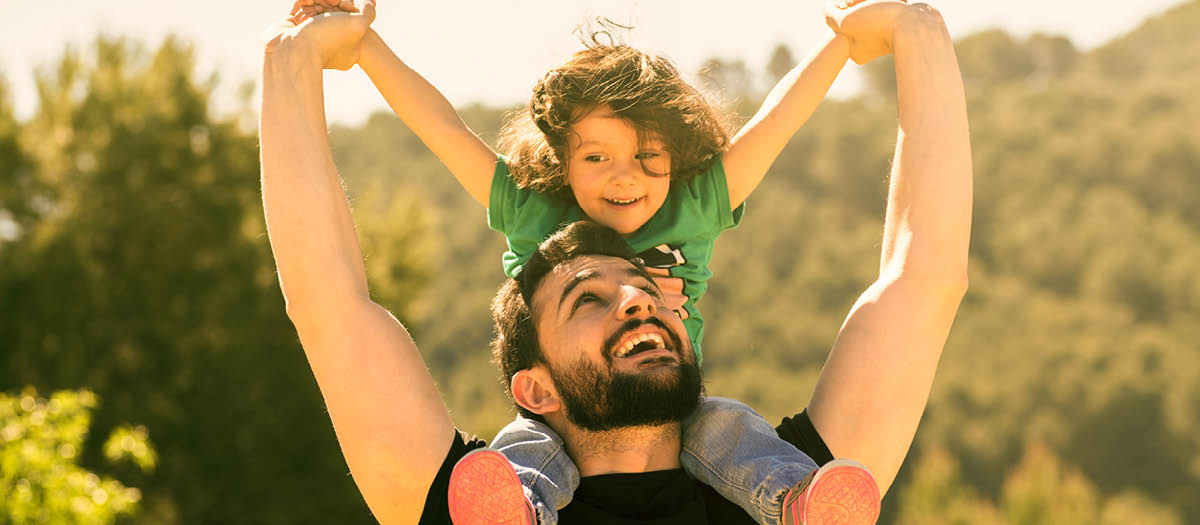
x=643, y=89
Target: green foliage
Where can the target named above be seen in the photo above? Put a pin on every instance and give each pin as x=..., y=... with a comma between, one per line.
x=40, y=482
x=1040, y=490
x=939, y=495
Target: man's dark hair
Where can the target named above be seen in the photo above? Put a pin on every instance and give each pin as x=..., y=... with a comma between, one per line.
x=515, y=346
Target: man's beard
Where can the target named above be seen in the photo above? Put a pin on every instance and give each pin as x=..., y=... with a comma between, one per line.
x=600, y=400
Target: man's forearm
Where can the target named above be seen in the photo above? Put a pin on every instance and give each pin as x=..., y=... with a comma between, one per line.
x=928, y=223
x=308, y=221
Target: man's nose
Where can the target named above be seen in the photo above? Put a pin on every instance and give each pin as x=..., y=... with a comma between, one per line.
x=634, y=302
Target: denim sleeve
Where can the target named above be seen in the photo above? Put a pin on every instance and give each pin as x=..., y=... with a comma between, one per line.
x=800, y=432
x=437, y=509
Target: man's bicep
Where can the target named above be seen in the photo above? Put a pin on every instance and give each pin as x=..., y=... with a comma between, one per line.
x=876, y=381
x=391, y=423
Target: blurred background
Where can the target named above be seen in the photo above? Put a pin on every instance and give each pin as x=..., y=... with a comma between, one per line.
x=148, y=373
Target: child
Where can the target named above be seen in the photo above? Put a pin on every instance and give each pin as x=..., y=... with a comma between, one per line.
x=616, y=136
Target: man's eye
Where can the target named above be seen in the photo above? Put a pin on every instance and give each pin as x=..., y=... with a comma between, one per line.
x=586, y=297
x=652, y=290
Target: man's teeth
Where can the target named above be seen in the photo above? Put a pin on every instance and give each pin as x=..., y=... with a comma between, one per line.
x=638, y=339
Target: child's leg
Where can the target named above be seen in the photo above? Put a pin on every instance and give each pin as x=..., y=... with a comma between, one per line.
x=732, y=449
x=546, y=471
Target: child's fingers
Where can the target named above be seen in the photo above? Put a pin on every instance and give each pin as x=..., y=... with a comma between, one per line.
x=675, y=302
x=672, y=292
x=662, y=272
x=669, y=285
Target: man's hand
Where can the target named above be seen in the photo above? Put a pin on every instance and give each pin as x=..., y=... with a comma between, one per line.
x=869, y=24
x=330, y=35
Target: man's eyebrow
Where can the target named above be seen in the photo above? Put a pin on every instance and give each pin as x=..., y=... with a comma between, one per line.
x=579, y=278
x=639, y=272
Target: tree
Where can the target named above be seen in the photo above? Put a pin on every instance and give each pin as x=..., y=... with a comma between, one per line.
x=780, y=63
x=18, y=188
x=40, y=439
x=1039, y=490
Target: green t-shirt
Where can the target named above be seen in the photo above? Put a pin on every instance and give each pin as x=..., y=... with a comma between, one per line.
x=679, y=237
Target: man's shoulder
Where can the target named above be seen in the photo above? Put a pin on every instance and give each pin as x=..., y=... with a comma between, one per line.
x=437, y=509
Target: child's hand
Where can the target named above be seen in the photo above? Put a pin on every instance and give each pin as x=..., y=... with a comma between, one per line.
x=869, y=24
x=672, y=290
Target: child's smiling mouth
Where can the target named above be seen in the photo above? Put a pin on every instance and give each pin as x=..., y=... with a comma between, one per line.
x=623, y=202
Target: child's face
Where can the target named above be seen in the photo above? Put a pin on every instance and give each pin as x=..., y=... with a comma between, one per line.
x=617, y=181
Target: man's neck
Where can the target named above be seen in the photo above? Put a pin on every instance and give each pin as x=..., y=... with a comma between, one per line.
x=627, y=450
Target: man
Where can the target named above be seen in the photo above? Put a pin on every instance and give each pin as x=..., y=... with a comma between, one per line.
x=393, y=427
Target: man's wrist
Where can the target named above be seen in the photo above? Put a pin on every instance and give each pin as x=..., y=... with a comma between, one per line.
x=289, y=55
x=918, y=20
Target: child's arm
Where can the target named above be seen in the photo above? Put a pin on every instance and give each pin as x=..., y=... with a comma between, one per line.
x=428, y=114
x=786, y=108
x=418, y=104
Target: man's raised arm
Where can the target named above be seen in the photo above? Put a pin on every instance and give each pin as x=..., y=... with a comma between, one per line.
x=876, y=381
x=391, y=423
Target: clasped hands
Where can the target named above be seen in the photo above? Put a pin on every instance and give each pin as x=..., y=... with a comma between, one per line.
x=329, y=32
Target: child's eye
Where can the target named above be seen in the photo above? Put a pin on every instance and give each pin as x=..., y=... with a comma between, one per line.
x=594, y=157
x=645, y=155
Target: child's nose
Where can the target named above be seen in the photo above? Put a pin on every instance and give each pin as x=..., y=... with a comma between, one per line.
x=626, y=173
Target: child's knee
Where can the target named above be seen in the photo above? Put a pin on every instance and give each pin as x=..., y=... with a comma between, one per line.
x=727, y=406
x=718, y=412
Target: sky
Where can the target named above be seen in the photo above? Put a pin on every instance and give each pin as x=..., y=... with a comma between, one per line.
x=493, y=52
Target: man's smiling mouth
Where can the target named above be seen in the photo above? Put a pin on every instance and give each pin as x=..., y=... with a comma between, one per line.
x=641, y=343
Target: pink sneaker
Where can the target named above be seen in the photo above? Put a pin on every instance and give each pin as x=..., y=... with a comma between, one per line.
x=842, y=492
x=485, y=490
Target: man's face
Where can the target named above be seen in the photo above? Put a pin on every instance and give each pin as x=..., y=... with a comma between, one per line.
x=617, y=355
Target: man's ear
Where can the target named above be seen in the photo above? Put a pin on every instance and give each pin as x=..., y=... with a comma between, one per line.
x=533, y=390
